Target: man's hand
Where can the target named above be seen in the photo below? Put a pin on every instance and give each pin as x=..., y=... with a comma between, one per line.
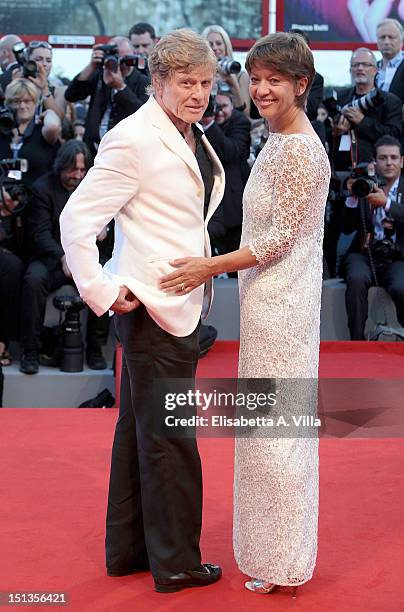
x=7, y=205
x=342, y=127
x=65, y=267
x=125, y=302
x=97, y=56
x=353, y=114
x=377, y=198
x=114, y=79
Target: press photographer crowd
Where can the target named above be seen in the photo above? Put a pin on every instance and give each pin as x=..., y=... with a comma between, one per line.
x=50, y=130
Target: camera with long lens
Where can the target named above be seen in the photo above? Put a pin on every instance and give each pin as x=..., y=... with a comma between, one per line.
x=71, y=341
x=229, y=65
x=11, y=229
x=29, y=67
x=386, y=251
x=364, y=182
x=111, y=56
x=373, y=99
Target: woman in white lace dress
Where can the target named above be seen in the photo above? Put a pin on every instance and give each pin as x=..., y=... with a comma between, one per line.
x=276, y=478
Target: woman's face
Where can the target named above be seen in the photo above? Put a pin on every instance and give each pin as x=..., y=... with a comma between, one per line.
x=274, y=93
x=25, y=107
x=43, y=56
x=217, y=43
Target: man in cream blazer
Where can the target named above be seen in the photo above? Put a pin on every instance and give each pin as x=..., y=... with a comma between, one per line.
x=151, y=174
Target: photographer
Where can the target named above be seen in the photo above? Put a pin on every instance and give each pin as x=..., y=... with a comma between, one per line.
x=238, y=81
x=376, y=255
x=49, y=271
x=228, y=131
x=363, y=121
x=36, y=142
x=116, y=89
x=11, y=272
x=8, y=62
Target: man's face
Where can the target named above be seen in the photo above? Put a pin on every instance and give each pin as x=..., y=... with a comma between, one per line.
x=225, y=109
x=363, y=68
x=185, y=95
x=72, y=177
x=388, y=162
x=389, y=40
x=142, y=43
x=124, y=48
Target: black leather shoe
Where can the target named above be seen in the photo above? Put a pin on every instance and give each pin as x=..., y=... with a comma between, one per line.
x=201, y=576
x=95, y=358
x=29, y=362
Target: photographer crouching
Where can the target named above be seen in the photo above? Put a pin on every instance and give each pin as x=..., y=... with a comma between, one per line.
x=375, y=209
x=115, y=86
x=48, y=270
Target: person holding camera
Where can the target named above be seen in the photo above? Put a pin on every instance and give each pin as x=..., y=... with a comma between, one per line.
x=48, y=270
x=228, y=131
x=33, y=139
x=228, y=70
x=8, y=62
x=366, y=114
x=376, y=255
x=11, y=273
x=115, y=86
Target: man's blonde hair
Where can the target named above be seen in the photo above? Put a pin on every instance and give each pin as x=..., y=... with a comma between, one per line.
x=180, y=50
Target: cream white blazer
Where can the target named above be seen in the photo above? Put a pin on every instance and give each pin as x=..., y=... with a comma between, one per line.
x=147, y=178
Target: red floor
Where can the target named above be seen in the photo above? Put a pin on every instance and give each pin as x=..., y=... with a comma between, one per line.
x=54, y=483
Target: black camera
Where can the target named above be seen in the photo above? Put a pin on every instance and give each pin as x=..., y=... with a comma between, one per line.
x=7, y=118
x=29, y=67
x=386, y=251
x=11, y=171
x=135, y=59
x=369, y=101
x=365, y=181
x=71, y=341
x=111, y=56
x=229, y=66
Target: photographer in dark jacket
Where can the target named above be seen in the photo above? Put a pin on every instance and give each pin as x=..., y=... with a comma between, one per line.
x=228, y=131
x=376, y=255
x=115, y=94
x=49, y=271
x=357, y=130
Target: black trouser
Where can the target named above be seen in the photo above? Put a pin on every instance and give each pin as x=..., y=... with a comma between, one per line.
x=358, y=277
x=11, y=273
x=38, y=282
x=155, y=492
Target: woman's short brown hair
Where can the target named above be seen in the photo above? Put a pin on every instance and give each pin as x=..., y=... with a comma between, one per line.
x=181, y=50
x=286, y=53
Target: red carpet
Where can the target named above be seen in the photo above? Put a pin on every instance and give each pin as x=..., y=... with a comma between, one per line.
x=54, y=482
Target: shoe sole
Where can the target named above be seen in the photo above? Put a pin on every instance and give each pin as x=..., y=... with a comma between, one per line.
x=166, y=588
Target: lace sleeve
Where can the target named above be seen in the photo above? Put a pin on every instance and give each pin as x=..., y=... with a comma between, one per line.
x=297, y=178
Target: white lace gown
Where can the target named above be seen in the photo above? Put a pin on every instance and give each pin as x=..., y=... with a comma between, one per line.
x=276, y=479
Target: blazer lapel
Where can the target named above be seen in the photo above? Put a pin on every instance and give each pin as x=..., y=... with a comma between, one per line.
x=171, y=136
x=218, y=185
